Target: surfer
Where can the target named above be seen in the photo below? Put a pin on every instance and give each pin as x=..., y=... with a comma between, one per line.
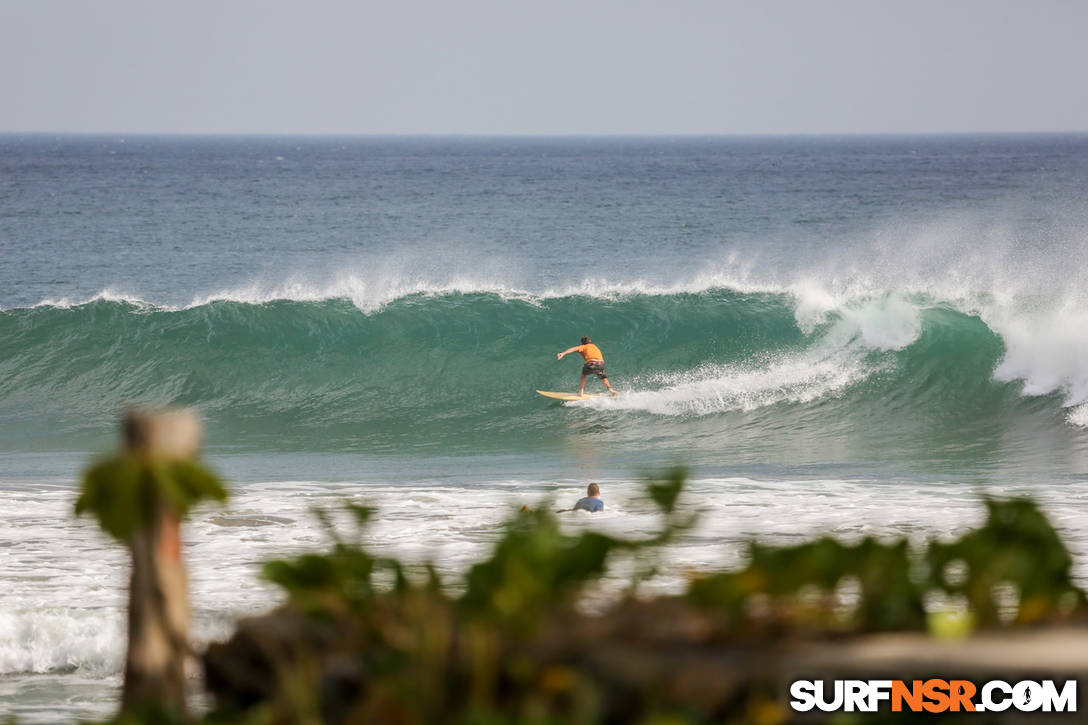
x=592, y=501
x=594, y=363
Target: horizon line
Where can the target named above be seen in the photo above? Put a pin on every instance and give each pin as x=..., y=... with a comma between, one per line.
x=558, y=135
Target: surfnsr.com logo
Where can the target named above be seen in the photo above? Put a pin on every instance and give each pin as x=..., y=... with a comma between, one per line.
x=933, y=695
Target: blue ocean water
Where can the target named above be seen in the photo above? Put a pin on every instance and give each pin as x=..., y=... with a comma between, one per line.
x=901, y=302
x=854, y=334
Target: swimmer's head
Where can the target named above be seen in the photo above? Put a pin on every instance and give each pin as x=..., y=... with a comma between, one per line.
x=593, y=490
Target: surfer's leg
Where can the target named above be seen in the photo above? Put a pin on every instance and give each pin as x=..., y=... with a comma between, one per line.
x=582, y=387
x=609, y=386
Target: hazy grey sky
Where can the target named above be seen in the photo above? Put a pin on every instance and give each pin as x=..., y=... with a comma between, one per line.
x=548, y=66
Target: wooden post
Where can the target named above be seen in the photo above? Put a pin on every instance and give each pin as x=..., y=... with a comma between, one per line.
x=158, y=605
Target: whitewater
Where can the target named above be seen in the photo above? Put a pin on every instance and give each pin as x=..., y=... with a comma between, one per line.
x=848, y=335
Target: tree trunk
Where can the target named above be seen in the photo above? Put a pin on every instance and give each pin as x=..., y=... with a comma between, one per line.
x=158, y=620
x=158, y=605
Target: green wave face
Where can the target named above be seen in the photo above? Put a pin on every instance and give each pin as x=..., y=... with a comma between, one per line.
x=718, y=373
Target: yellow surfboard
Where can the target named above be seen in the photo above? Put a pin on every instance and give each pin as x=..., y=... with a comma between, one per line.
x=568, y=396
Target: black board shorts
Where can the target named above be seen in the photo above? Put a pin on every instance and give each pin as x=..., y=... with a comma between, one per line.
x=594, y=367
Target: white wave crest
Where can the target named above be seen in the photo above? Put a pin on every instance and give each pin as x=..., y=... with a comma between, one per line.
x=1047, y=350
x=837, y=361
x=373, y=294
x=373, y=291
x=717, y=389
x=108, y=294
x=61, y=640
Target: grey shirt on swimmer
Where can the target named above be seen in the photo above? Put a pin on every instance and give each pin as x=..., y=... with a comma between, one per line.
x=589, y=503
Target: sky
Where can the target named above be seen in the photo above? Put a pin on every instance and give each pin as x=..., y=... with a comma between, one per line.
x=543, y=67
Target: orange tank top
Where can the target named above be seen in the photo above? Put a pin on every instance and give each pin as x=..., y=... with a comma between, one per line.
x=590, y=351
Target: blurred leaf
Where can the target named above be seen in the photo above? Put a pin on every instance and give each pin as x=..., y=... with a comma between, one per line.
x=665, y=491
x=363, y=514
x=534, y=566
x=126, y=492
x=1017, y=546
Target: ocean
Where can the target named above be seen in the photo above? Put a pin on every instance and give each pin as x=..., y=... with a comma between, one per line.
x=855, y=335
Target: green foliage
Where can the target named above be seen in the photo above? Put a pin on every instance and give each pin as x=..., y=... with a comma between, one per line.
x=797, y=585
x=666, y=491
x=127, y=491
x=342, y=580
x=360, y=641
x=1017, y=553
x=534, y=567
x=379, y=646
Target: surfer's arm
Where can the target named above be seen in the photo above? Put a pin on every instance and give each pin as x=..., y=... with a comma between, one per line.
x=568, y=351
